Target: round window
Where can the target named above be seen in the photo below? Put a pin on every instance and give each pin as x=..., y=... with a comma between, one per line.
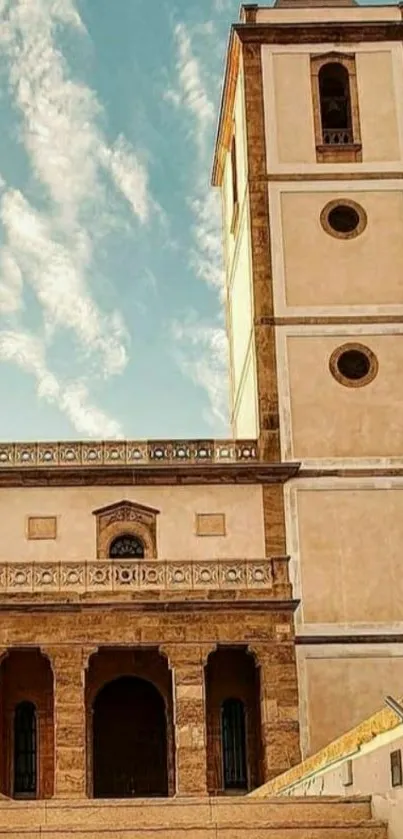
x=353, y=365
x=343, y=219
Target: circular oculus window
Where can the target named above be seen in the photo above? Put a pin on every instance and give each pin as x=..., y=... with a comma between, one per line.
x=343, y=218
x=353, y=365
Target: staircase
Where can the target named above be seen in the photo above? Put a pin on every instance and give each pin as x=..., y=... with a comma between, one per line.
x=218, y=818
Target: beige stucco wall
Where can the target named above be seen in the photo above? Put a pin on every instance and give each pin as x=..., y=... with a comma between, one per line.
x=343, y=690
x=242, y=506
x=326, y=14
x=287, y=81
x=332, y=421
x=350, y=554
x=322, y=270
x=377, y=104
x=292, y=84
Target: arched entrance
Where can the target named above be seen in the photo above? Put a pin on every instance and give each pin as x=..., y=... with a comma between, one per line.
x=129, y=740
x=26, y=725
x=234, y=748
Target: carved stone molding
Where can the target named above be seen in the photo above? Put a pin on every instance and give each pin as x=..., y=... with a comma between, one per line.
x=126, y=518
x=119, y=576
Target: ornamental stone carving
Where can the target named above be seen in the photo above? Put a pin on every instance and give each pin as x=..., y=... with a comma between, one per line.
x=126, y=518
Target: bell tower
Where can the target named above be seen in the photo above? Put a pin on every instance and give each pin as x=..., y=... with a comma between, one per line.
x=309, y=159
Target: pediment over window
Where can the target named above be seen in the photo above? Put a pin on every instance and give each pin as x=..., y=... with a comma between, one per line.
x=126, y=518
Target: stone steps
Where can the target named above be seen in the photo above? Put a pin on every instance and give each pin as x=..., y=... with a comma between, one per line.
x=228, y=818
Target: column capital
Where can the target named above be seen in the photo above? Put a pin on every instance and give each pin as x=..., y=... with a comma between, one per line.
x=182, y=656
x=69, y=657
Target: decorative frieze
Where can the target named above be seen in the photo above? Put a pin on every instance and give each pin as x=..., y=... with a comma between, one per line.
x=269, y=575
x=127, y=453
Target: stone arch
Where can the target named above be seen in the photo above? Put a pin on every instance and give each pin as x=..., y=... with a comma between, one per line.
x=109, y=665
x=36, y=689
x=231, y=674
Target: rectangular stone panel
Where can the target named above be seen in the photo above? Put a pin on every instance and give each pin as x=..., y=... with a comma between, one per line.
x=210, y=524
x=42, y=527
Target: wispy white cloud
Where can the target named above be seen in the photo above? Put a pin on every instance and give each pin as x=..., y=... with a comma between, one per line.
x=203, y=356
x=223, y=5
x=61, y=129
x=11, y=284
x=130, y=176
x=202, y=349
x=55, y=273
x=191, y=91
x=27, y=351
x=207, y=253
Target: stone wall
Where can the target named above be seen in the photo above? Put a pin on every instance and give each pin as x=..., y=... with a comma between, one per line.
x=75, y=639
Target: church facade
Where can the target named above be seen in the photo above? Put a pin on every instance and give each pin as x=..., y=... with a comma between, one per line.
x=309, y=161
x=186, y=618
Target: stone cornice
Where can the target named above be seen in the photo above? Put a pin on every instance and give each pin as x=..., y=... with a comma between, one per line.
x=286, y=33
x=134, y=463
x=258, y=473
x=181, y=606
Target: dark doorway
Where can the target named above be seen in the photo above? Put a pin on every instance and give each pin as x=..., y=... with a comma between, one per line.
x=234, y=745
x=25, y=752
x=129, y=740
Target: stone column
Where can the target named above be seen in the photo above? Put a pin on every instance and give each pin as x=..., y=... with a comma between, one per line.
x=68, y=665
x=187, y=666
x=278, y=707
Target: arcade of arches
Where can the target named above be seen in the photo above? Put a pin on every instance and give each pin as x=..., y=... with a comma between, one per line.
x=148, y=729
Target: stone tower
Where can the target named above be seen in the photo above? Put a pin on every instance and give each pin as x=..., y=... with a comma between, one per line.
x=309, y=159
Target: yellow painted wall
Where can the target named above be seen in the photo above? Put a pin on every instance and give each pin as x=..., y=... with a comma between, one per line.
x=329, y=420
x=240, y=296
x=178, y=506
x=322, y=270
x=351, y=559
x=246, y=417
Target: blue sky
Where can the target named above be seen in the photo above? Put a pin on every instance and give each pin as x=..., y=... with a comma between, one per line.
x=111, y=321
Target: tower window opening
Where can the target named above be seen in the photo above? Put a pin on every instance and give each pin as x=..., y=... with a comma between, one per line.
x=344, y=219
x=353, y=365
x=335, y=105
x=234, y=172
x=234, y=176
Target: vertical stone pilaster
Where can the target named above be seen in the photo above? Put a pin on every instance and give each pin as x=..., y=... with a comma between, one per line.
x=278, y=708
x=68, y=665
x=187, y=665
x=261, y=250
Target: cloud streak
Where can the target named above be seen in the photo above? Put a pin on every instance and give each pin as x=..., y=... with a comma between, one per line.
x=51, y=249
x=202, y=348
x=28, y=353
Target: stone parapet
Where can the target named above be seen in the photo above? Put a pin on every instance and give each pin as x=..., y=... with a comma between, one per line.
x=342, y=748
x=126, y=453
x=261, y=576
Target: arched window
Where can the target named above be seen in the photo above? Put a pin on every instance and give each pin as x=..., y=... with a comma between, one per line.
x=126, y=546
x=25, y=750
x=335, y=104
x=233, y=732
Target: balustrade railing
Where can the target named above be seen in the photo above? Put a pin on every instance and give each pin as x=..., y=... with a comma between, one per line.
x=113, y=576
x=340, y=137
x=126, y=453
